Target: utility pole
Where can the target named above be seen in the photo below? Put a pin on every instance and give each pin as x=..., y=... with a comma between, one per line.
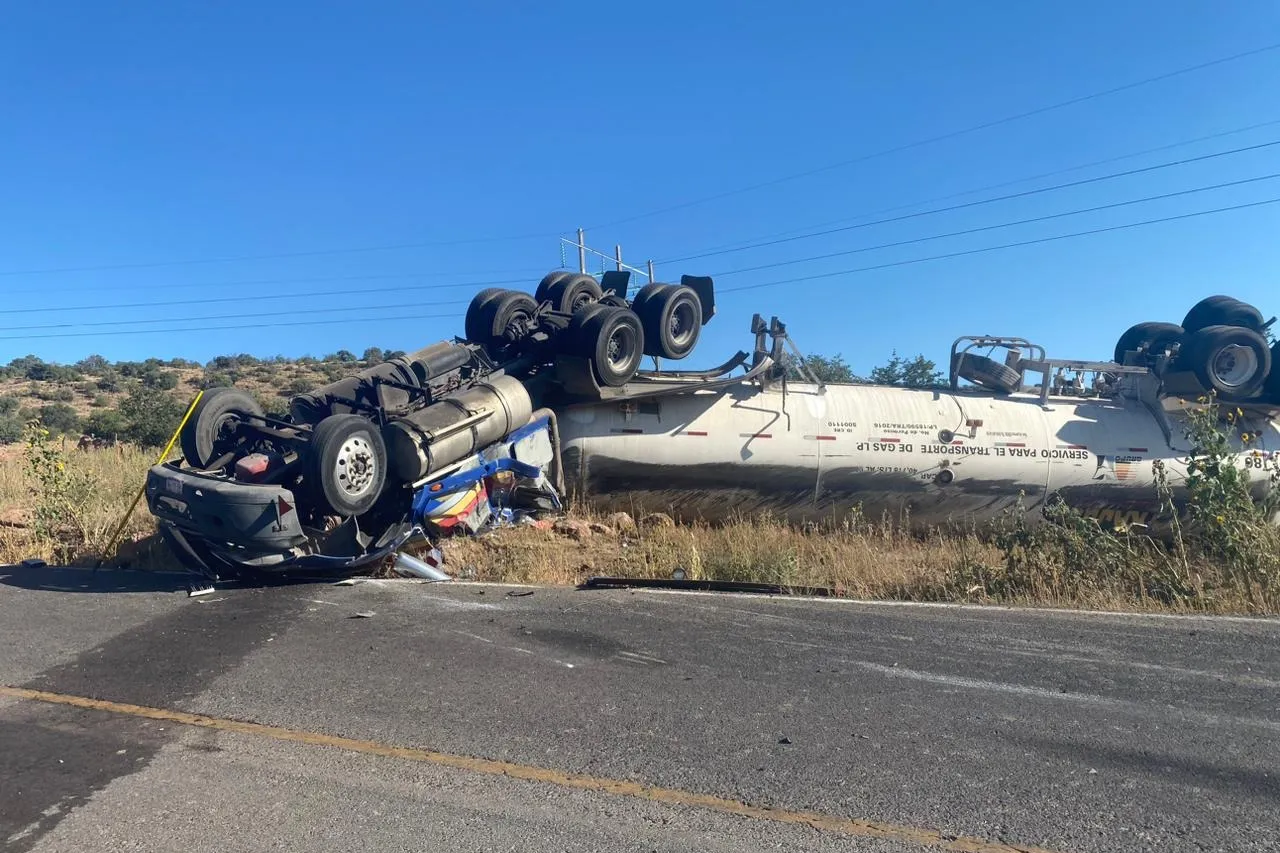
x=582, y=251
x=617, y=256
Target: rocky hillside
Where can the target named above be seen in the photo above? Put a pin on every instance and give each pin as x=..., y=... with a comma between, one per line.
x=141, y=401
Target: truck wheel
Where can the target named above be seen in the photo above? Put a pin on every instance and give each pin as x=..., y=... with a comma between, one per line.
x=572, y=293
x=613, y=339
x=988, y=372
x=1272, y=386
x=1230, y=360
x=346, y=463
x=544, y=286
x=475, y=322
x=207, y=432
x=1222, y=311
x=1152, y=338
x=506, y=319
x=672, y=319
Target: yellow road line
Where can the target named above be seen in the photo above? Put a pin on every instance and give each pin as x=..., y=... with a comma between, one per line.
x=617, y=787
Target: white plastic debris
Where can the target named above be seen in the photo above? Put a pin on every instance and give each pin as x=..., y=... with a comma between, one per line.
x=429, y=568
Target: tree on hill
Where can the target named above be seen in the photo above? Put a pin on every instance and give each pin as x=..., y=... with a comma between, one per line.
x=824, y=368
x=59, y=418
x=152, y=416
x=918, y=372
x=10, y=419
x=106, y=423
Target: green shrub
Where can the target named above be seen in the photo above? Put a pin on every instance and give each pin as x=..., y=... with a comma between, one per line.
x=59, y=418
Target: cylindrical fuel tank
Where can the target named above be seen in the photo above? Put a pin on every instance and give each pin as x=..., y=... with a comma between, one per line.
x=414, y=369
x=434, y=361
x=449, y=430
x=926, y=456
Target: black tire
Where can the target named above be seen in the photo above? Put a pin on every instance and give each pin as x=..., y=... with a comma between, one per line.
x=548, y=280
x=1222, y=311
x=1272, y=386
x=204, y=437
x=346, y=464
x=1232, y=361
x=572, y=293
x=475, y=322
x=672, y=319
x=505, y=319
x=613, y=339
x=988, y=372
x=1151, y=338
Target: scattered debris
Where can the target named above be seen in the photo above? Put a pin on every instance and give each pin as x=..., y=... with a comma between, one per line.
x=34, y=563
x=602, y=529
x=517, y=593
x=784, y=740
x=363, y=614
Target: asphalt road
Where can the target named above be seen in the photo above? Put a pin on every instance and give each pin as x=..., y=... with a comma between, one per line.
x=622, y=720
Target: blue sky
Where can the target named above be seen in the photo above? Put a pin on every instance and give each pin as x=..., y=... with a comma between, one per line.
x=156, y=138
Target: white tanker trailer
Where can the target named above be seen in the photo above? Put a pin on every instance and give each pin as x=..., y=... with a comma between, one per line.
x=811, y=451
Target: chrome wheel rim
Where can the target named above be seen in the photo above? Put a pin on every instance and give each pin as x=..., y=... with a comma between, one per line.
x=1235, y=365
x=355, y=467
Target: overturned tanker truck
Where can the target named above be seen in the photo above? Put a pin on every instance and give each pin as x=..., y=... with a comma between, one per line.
x=544, y=399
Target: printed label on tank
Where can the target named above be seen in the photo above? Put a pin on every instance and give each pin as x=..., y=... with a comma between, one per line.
x=890, y=446
x=905, y=428
x=955, y=450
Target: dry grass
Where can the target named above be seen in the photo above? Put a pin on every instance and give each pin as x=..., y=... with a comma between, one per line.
x=115, y=475
x=856, y=558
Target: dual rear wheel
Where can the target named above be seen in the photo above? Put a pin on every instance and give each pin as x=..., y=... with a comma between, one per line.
x=663, y=321
x=1221, y=341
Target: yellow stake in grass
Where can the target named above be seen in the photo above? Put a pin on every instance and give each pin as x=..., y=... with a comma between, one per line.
x=163, y=456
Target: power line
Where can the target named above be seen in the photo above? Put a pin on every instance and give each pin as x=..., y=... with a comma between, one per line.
x=1051, y=174
x=240, y=316
x=346, y=320
x=740, y=288
x=306, y=280
x=950, y=255
x=951, y=135
x=278, y=255
x=999, y=225
x=980, y=202
x=255, y=298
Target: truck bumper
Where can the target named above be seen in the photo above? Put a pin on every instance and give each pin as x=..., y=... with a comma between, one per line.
x=259, y=522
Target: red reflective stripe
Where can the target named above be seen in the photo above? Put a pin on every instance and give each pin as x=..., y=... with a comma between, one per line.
x=1017, y=444
x=754, y=435
x=826, y=438
x=890, y=440
x=691, y=432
